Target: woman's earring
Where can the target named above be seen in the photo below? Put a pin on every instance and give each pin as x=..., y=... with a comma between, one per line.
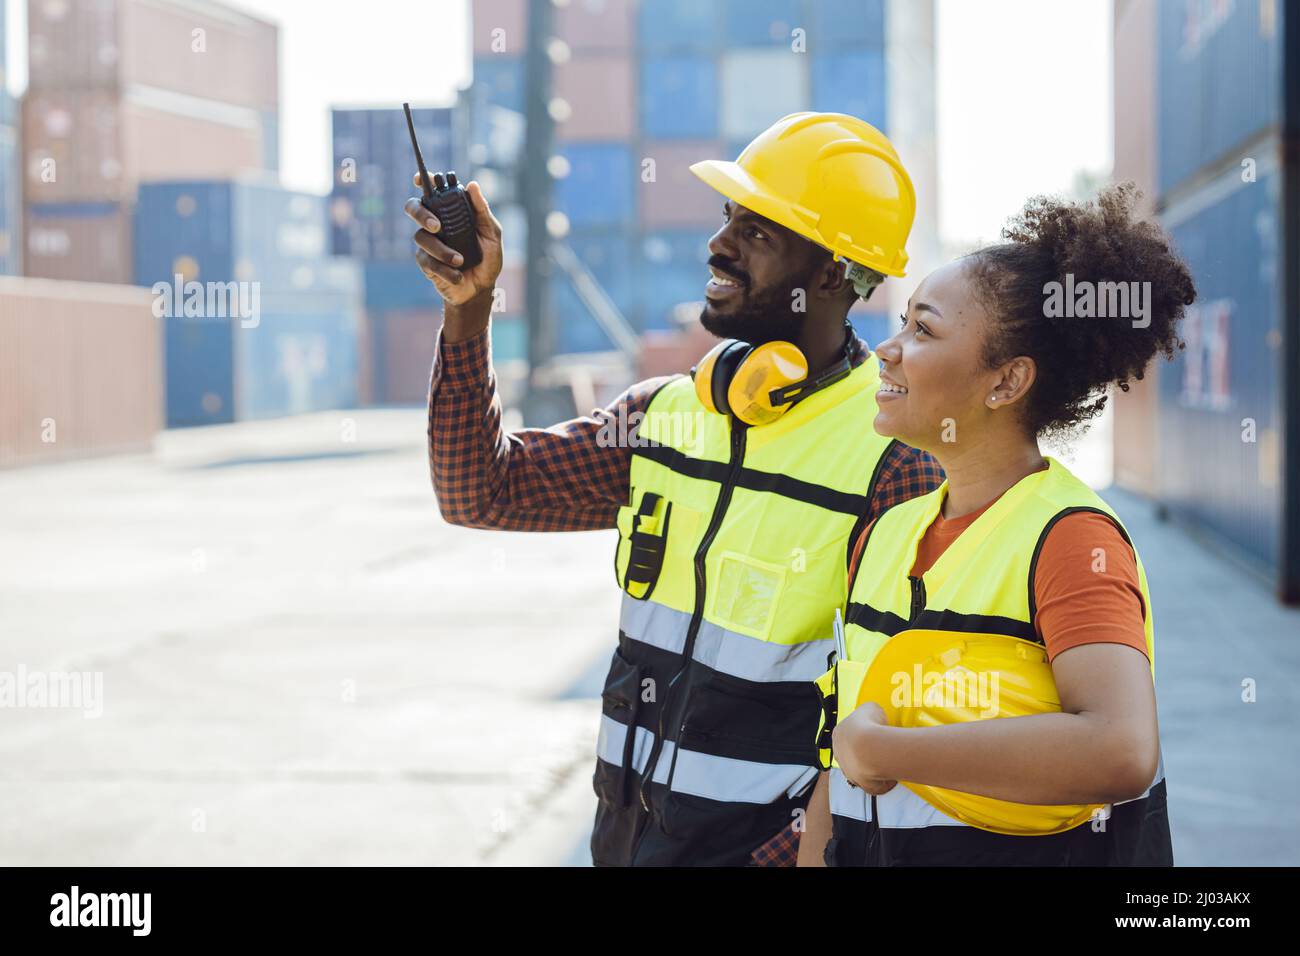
x=993, y=398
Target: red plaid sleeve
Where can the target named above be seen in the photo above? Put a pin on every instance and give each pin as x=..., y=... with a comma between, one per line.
x=907, y=473
x=569, y=477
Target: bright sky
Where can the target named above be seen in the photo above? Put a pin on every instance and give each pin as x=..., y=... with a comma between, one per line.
x=1024, y=89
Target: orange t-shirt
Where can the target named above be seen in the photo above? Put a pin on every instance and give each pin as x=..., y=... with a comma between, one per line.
x=1083, y=597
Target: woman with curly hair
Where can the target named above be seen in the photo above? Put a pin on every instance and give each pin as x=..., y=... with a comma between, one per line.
x=988, y=362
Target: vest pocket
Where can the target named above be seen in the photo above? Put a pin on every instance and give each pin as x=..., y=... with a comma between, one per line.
x=771, y=722
x=643, y=540
x=620, y=702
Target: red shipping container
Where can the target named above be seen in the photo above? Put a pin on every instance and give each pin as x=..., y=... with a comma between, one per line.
x=499, y=26
x=94, y=146
x=84, y=243
x=80, y=370
x=199, y=49
x=596, y=24
x=601, y=97
x=677, y=198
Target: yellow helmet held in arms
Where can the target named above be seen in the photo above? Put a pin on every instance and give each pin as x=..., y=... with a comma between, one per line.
x=930, y=678
x=830, y=177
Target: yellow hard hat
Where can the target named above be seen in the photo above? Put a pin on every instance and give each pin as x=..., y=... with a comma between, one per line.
x=831, y=178
x=930, y=678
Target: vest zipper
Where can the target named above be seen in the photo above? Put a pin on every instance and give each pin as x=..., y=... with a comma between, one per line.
x=738, y=436
x=918, y=598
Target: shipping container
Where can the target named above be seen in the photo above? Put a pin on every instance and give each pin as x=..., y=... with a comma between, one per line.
x=762, y=22
x=587, y=25
x=846, y=25
x=673, y=269
x=676, y=197
x=852, y=83
x=496, y=109
x=401, y=342
x=297, y=362
x=499, y=26
x=599, y=188
x=80, y=370
x=1220, y=425
x=197, y=48
x=224, y=230
x=398, y=285
x=679, y=97
x=82, y=242
x=601, y=100
x=94, y=146
x=674, y=25
x=1219, y=81
x=608, y=256
x=10, y=202
x=759, y=87
x=373, y=166
x=284, y=343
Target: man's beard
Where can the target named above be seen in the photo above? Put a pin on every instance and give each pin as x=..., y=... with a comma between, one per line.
x=759, y=318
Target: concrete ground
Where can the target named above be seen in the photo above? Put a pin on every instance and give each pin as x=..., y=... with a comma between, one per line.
x=301, y=663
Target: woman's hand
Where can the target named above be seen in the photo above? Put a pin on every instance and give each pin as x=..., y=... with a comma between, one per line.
x=437, y=260
x=851, y=742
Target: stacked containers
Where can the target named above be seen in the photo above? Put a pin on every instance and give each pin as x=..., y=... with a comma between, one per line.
x=494, y=143
x=287, y=343
x=125, y=91
x=1220, y=419
x=649, y=88
x=373, y=165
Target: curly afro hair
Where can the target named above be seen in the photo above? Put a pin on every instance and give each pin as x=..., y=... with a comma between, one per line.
x=1078, y=358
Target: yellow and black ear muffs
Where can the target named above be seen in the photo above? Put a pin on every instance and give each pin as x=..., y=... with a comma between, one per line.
x=758, y=383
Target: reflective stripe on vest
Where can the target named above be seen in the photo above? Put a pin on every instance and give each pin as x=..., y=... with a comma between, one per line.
x=983, y=583
x=770, y=511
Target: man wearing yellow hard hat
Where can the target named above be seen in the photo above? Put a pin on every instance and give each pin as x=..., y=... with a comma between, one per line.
x=735, y=495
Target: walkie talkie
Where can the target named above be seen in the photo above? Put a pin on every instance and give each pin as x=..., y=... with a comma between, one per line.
x=446, y=199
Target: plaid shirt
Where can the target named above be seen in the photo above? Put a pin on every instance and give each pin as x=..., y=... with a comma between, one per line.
x=564, y=478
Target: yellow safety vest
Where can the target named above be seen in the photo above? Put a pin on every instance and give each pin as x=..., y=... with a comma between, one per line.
x=731, y=555
x=983, y=583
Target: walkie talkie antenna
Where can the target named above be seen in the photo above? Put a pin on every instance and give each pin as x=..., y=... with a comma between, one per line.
x=419, y=159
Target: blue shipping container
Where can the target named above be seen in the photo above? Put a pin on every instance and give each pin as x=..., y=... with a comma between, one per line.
x=670, y=25
x=373, y=166
x=847, y=24
x=852, y=83
x=398, y=285
x=295, y=363
x=679, y=97
x=763, y=22
x=1219, y=82
x=10, y=201
x=608, y=256
x=224, y=230
x=199, y=371
x=673, y=268
x=288, y=343
x=496, y=109
x=1220, y=418
x=599, y=188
